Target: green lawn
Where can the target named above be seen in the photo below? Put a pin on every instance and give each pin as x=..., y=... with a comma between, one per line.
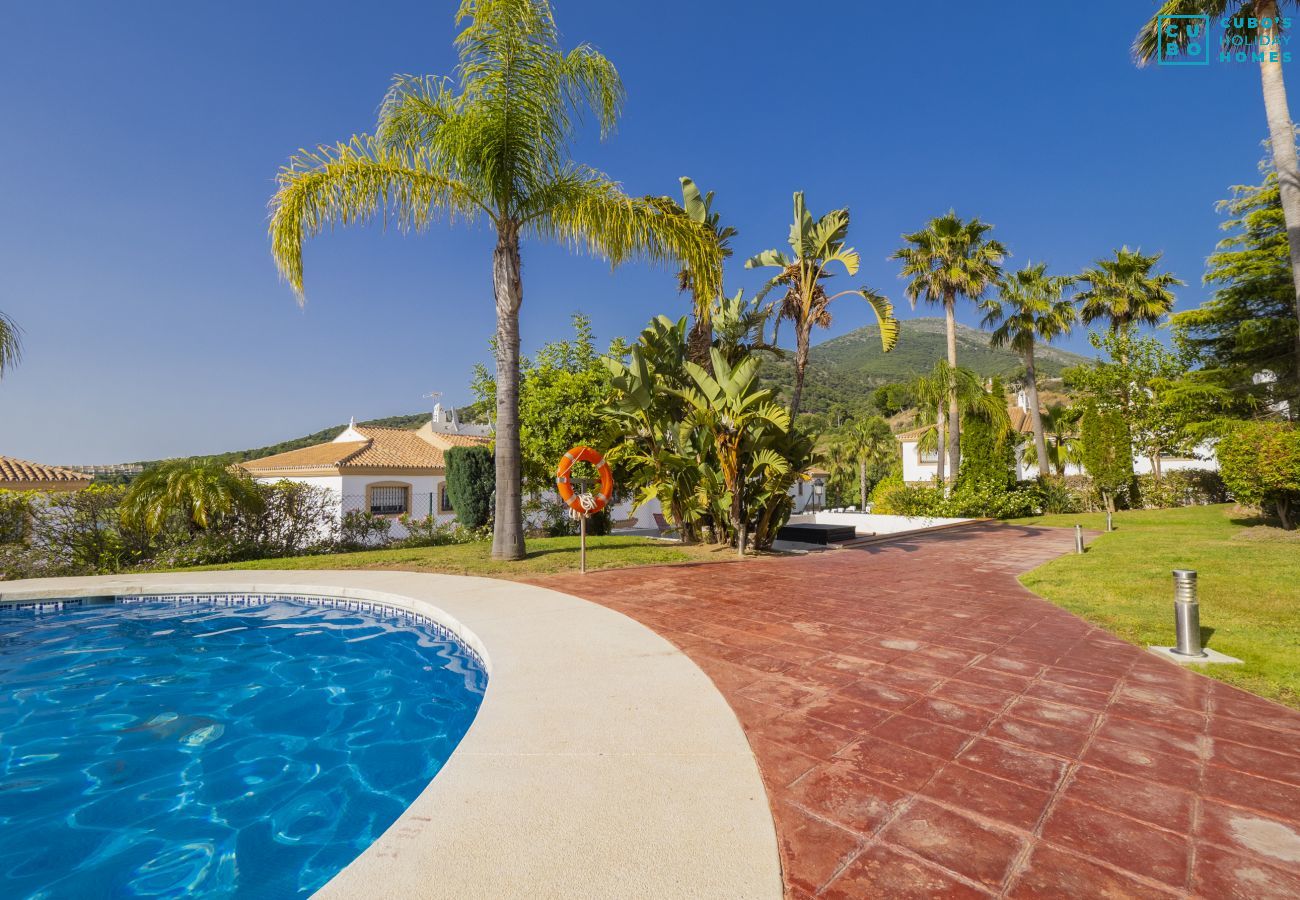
x=545, y=555
x=1249, y=587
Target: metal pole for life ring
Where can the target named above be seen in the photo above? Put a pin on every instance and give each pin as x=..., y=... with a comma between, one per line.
x=582, y=537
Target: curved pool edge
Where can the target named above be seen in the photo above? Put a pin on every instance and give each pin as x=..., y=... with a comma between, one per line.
x=602, y=761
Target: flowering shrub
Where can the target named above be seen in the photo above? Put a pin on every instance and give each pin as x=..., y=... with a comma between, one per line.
x=429, y=532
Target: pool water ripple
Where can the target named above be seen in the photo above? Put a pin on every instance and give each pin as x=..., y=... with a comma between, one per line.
x=157, y=749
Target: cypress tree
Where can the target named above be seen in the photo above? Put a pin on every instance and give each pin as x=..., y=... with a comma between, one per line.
x=471, y=481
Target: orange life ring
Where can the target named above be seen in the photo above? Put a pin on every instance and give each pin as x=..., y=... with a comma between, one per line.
x=565, y=487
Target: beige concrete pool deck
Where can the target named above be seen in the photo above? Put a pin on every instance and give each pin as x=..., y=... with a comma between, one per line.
x=603, y=762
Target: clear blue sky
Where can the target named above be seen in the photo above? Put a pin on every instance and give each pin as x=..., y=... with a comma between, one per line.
x=139, y=143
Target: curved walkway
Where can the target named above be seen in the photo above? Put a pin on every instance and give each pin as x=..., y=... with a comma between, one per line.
x=927, y=727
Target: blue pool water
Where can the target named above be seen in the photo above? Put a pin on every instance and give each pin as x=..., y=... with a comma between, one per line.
x=167, y=749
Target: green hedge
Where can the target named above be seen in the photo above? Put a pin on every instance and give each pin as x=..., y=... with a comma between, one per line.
x=471, y=481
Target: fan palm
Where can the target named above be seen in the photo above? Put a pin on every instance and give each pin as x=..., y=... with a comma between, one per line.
x=842, y=467
x=699, y=209
x=1031, y=307
x=1125, y=291
x=933, y=392
x=11, y=345
x=196, y=492
x=948, y=259
x=815, y=245
x=1061, y=424
x=1258, y=21
x=870, y=443
x=492, y=145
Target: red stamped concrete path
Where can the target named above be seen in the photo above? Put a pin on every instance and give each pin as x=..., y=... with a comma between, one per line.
x=926, y=727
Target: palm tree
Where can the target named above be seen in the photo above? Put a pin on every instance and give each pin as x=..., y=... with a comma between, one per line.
x=815, y=244
x=11, y=345
x=1031, y=307
x=1061, y=424
x=932, y=392
x=870, y=443
x=935, y=389
x=948, y=259
x=492, y=144
x=1125, y=292
x=699, y=209
x=842, y=465
x=197, y=492
x=1281, y=130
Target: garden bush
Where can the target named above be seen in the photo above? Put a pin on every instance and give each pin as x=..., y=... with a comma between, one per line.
x=1059, y=497
x=471, y=483
x=361, y=528
x=982, y=501
x=90, y=532
x=429, y=532
x=1181, y=488
x=1260, y=462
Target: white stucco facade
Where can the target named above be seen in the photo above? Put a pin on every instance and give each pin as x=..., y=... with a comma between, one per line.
x=918, y=469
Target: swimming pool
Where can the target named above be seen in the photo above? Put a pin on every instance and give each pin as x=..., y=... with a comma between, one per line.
x=237, y=746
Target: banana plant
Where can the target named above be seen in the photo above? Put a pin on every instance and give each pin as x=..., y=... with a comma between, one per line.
x=770, y=495
x=663, y=464
x=740, y=326
x=818, y=246
x=735, y=413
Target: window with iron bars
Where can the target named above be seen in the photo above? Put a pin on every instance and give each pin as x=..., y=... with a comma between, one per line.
x=389, y=501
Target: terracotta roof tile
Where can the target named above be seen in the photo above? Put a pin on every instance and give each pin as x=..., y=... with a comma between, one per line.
x=387, y=448
x=1020, y=420
x=317, y=456
x=395, y=448
x=20, y=470
x=452, y=439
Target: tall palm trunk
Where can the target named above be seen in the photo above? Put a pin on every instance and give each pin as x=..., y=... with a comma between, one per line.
x=1281, y=134
x=1035, y=414
x=700, y=340
x=507, y=285
x=862, y=481
x=803, y=336
x=954, y=414
x=942, y=438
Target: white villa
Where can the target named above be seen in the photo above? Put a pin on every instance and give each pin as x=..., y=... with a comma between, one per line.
x=395, y=471
x=922, y=467
x=387, y=471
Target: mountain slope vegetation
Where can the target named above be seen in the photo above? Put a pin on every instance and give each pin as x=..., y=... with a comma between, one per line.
x=847, y=368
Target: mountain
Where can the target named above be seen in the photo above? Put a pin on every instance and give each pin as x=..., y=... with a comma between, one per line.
x=852, y=365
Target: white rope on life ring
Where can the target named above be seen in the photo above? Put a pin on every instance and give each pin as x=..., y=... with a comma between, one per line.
x=588, y=503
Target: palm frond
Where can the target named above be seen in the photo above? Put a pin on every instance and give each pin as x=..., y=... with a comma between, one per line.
x=1125, y=290
x=354, y=183
x=591, y=213
x=11, y=344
